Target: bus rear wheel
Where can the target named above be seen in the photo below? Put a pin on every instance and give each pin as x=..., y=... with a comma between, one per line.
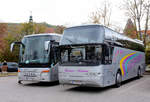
x=139, y=73
x=118, y=79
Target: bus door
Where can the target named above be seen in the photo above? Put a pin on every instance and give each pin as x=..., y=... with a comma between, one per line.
x=54, y=58
x=109, y=67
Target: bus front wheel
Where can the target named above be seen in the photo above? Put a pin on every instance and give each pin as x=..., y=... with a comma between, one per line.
x=19, y=82
x=118, y=79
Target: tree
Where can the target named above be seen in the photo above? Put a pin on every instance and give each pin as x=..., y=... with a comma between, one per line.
x=3, y=32
x=5, y=40
x=39, y=28
x=102, y=15
x=130, y=29
x=134, y=9
x=95, y=17
x=147, y=9
x=5, y=53
x=138, y=11
x=3, y=28
x=31, y=28
x=27, y=28
x=59, y=29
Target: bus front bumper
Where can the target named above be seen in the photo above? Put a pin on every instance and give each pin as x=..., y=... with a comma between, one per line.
x=33, y=75
x=43, y=77
x=82, y=81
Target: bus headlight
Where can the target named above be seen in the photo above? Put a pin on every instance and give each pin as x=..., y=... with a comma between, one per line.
x=45, y=75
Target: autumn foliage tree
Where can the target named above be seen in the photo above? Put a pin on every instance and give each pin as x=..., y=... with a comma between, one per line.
x=59, y=29
x=39, y=28
x=30, y=28
x=130, y=29
x=3, y=32
x=138, y=11
x=15, y=32
x=6, y=38
x=3, y=28
x=6, y=54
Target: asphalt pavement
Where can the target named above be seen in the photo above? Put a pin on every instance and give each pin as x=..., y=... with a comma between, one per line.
x=135, y=90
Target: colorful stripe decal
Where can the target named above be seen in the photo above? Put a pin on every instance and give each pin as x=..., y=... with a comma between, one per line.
x=124, y=61
x=130, y=58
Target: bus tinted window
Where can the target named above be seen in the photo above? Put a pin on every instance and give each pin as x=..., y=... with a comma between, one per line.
x=131, y=45
x=83, y=35
x=82, y=55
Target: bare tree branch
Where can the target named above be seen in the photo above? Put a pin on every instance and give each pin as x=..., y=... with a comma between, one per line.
x=102, y=15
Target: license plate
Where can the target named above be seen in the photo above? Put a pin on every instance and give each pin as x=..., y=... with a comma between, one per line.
x=30, y=74
x=76, y=82
x=29, y=78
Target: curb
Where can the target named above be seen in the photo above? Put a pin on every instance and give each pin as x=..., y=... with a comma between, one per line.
x=147, y=72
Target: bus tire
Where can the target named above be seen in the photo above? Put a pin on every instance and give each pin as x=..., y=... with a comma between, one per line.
x=139, y=73
x=19, y=82
x=118, y=79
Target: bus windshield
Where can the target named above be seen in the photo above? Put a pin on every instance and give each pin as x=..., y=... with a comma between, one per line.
x=81, y=55
x=83, y=35
x=34, y=51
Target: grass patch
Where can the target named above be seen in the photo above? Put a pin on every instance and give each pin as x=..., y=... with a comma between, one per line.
x=9, y=74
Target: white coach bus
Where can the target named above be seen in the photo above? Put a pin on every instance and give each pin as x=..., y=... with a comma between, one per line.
x=94, y=55
x=38, y=57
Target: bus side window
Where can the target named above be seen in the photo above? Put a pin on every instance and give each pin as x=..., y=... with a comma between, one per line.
x=108, y=54
x=111, y=54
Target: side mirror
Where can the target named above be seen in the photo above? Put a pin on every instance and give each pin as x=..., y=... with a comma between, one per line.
x=15, y=43
x=46, y=45
x=12, y=46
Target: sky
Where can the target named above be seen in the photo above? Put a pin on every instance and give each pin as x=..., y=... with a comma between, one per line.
x=57, y=12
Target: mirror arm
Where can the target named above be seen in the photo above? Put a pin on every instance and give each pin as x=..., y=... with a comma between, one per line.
x=15, y=43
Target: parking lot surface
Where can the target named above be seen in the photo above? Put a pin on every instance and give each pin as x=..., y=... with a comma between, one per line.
x=135, y=90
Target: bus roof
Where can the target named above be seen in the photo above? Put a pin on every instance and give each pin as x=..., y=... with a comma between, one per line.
x=43, y=34
x=106, y=34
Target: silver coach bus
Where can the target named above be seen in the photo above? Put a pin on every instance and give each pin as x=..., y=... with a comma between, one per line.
x=94, y=55
x=38, y=57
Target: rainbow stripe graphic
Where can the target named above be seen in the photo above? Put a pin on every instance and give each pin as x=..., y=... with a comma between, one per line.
x=124, y=62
